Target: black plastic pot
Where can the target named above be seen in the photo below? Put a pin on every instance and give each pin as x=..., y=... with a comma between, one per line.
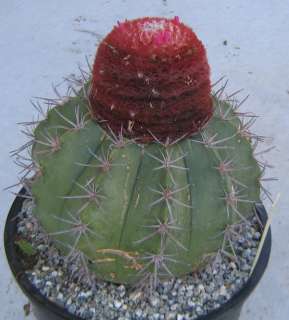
x=47, y=310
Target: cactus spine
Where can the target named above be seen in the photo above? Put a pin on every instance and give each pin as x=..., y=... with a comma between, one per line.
x=150, y=192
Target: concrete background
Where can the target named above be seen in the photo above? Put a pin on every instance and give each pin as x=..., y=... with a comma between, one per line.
x=41, y=42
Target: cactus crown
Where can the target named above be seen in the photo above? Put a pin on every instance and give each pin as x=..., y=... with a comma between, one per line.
x=130, y=208
x=151, y=75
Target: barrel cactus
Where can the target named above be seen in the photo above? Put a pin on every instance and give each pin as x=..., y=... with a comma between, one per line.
x=143, y=171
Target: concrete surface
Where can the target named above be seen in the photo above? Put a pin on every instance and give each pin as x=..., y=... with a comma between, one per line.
x=40, y=43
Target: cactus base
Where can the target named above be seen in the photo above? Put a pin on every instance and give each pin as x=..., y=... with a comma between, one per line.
x=45, y=309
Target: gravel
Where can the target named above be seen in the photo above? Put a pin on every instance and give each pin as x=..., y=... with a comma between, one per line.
x=183, y=298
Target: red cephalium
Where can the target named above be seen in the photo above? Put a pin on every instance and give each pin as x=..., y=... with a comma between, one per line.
x=151, y=79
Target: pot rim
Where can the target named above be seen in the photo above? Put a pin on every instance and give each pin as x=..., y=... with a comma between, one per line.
x=36, y=297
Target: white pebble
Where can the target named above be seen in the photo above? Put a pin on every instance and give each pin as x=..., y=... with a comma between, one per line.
x=45, y=268
x=117, y=304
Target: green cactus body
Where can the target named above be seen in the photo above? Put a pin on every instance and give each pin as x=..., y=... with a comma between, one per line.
x=134, y=210
x=143, y=173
